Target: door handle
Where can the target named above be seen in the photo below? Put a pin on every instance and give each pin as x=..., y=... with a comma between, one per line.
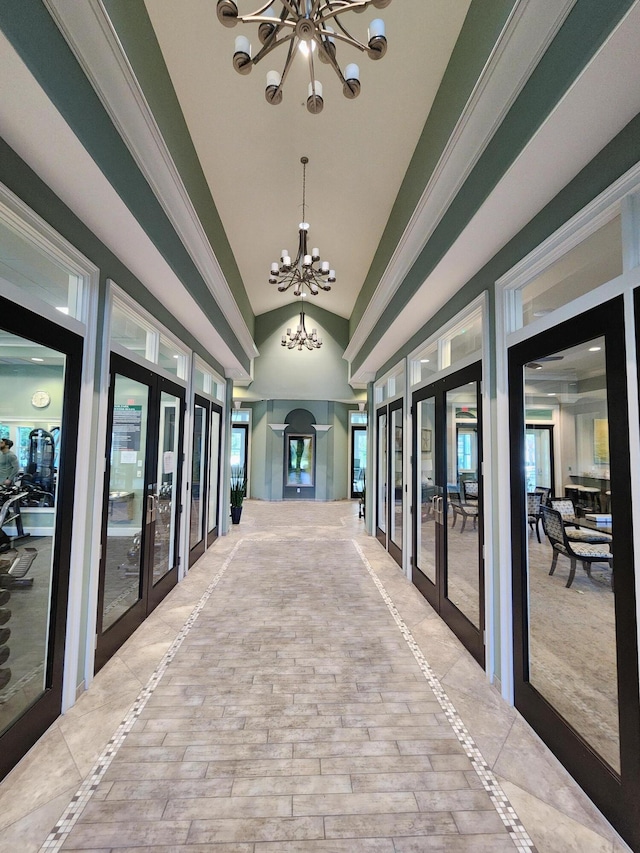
x=151, y=509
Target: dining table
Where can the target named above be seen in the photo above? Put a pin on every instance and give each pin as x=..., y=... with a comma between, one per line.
x=590, y=524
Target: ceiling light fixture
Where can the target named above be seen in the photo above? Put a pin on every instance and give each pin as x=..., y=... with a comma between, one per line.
x=301, y=338
x=304, y=23
x=301, y=272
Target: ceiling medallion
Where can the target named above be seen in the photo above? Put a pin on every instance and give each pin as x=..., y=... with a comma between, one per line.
x=301, y=273
x=305, y=24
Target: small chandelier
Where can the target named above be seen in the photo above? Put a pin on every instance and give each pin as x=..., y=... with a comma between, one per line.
x=304, y=23
x=301, y=338
x=301, y=273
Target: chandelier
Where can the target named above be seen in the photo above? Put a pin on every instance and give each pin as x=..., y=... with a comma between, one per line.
x=305, y=24
x=301, y=273
x=301, y=338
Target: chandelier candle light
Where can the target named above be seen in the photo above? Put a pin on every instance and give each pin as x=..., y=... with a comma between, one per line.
x=301, y=273
x=305, y=24
x=301, y=338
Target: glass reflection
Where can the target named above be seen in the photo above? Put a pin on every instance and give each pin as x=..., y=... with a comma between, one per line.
x=572, y=650
x=31, y=408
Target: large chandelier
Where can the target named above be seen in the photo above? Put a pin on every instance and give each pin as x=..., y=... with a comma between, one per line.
x=300, y=337
x=302, y=272
x=305, y=24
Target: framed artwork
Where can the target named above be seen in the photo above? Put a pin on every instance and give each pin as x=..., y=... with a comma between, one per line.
x=600, y=441
x=425, y=441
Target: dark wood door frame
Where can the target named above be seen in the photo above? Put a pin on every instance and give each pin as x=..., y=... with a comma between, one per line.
x=471, y=636
x=20, y=736
x=616, y=795
x=150, y=595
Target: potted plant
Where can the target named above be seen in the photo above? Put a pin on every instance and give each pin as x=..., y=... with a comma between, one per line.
x=238, y=491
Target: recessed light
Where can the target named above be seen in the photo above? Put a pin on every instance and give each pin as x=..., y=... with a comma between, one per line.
x=595, y=349
x=62, y=309
x=542, y=312
x=37, y=359
x=424, y=361
x=552, y=394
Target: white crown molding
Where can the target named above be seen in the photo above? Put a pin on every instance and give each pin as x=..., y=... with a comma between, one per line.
x=527, y=34
x=322, y=427
x=592, y=217
x=88, y=30
x=278, y=427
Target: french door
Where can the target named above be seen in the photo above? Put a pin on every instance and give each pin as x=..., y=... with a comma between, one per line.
x=390, y=501
x=141, y=510
x=448, y=566
x=575, y=636
x=40, y=372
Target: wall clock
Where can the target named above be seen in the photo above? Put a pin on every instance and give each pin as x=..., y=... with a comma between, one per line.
x=40, y=399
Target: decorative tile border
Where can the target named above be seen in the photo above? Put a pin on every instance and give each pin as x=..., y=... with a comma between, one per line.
x=63, y=827
x=507, y=813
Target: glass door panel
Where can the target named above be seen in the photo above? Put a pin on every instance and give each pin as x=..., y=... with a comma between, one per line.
x=381, y=501
x=358, y=460
x=583, y=688
x=239, y=441
x=429, y=494
x=29, y=508
x=214, y=473
x=464, y=562
x=198, y=479
x=123, y=553
x=167, y=497
x=396, y=502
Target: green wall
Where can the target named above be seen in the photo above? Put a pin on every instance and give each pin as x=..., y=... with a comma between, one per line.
x=267, y=464
x=281, y=373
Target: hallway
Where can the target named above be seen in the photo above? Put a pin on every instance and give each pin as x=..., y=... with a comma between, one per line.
x=295, y=694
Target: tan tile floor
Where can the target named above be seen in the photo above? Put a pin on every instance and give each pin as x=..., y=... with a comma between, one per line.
x=294, y=694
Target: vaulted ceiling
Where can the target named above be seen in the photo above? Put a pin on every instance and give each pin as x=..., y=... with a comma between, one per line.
x=385, y=170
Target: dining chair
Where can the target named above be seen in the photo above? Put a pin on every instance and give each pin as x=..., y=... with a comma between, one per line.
x=534, y=501
x=464, y=510
x=567, y=510
x=470, y=491
x=586, y=552
x=544, y=492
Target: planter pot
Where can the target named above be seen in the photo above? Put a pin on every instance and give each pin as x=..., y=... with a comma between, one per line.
x=236, y=512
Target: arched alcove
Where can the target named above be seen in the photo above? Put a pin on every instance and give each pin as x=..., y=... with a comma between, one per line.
x=300, y=456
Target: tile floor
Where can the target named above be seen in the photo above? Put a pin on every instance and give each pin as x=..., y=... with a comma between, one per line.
x=295, y=694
